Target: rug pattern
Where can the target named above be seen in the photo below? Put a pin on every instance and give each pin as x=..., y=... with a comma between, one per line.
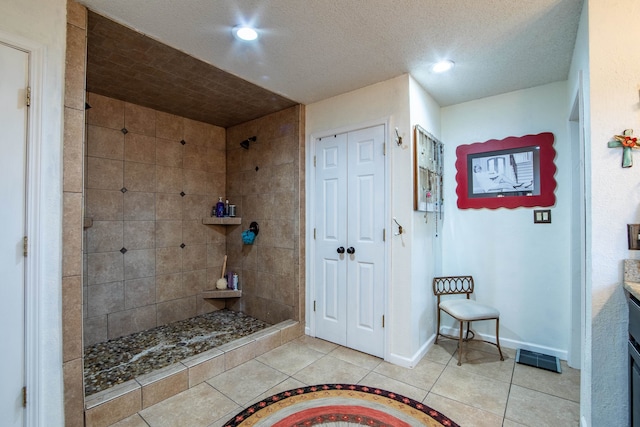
x=339, y=405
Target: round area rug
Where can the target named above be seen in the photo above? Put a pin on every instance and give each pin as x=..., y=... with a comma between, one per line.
x=339, y=405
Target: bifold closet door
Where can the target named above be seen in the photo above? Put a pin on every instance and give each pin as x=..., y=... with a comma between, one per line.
x=349, y=264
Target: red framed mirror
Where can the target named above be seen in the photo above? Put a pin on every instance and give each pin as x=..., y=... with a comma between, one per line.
x=508, y=173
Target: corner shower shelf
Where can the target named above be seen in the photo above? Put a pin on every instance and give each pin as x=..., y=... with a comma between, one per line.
x=212, y=220
x=221, y=294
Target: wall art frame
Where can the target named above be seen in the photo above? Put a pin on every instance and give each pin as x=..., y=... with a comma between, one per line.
x=508, y=173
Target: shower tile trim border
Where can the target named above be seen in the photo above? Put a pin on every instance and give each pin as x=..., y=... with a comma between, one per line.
x=99, y=409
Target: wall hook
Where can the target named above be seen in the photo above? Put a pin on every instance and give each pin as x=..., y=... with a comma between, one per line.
x=399, y=227
x=398, y=138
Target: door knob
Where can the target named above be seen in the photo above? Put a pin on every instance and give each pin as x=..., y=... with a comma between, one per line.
x=351, y=250
x=340, y=250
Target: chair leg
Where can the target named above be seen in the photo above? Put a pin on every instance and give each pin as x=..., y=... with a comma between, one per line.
x=498, y=338
x=438, y=325
x=460, y=343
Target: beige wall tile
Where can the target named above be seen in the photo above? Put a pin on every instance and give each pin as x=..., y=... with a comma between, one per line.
x=139, y=177
x=72, y=234
x=168, y=233
x=129, y=321
x=195, y=181
x=168, y=260
x=105, y=112
x=163, y=384
x=180, y=309
x=105, y=298
x=216, y=185
x=139, y=292
x=194, y=282
x=196, y=207
x=195, y=157
x=114, y=410
x=204, y=366
x=169, y=126
x=104, y=174
x=76, y=14
x=168, y=180
x=139, y=206
x=169, y=287
x=103, y=205
x=73, y=393
x=198, y=133
x=139, y=234
x=139, y=263
x=169, y=152
x=194, y=232
x=105, y=267
x=216, y=160
x=240, y=355
x=72, y=150
x=104, y=236
x=139, y=148
x=105, y=142
x=138, y=119
x=194, y=257
x=169, y=206
x=75, y=67
x=71, y=318
x=94, y=329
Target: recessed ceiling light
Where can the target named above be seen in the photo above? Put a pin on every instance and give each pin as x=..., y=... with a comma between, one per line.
x=442, y=66
x=243, y=32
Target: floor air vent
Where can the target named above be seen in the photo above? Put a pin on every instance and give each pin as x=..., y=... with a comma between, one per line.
x=538, y=360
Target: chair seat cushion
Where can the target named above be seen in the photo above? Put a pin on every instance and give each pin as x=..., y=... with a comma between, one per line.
x=468, y=310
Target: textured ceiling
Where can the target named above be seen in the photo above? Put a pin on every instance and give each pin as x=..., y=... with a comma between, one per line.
x=312, y=50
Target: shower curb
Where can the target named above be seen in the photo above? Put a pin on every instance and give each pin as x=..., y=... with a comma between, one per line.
x=123, y=400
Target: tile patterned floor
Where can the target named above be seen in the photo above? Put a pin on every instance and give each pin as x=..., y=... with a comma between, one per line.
x=122, y=359
x=482, y=392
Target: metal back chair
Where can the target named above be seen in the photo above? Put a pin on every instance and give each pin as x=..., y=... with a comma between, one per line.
x=463, y=310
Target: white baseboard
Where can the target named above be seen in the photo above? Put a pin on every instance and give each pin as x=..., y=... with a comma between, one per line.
x=515, y=344
x=411, y=362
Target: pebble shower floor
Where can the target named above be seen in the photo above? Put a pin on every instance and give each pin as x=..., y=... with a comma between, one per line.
x=122, y=359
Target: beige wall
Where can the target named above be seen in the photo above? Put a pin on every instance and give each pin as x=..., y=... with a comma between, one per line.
x=266, y=184
x=150, y=179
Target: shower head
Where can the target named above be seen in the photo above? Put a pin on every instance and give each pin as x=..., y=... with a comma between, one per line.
x=245, y=144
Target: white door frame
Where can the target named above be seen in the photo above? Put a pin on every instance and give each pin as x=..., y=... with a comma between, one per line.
x=310, y=327
x=43, y=273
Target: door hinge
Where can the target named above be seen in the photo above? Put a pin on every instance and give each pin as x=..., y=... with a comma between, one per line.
x=384, y=148
x=28, y=96
x=384, y=234
x=383, y=320
x=314, y=234
x=314, y=306
x=314, y=161
x=24, y=396
x=25, y=245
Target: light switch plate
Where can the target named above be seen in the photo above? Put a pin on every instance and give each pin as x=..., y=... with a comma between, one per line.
x=542, y=216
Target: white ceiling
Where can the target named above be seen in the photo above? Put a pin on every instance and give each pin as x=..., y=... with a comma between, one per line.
x=310, y=50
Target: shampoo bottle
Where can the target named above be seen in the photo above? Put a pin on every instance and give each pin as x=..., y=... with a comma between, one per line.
x=220, y=208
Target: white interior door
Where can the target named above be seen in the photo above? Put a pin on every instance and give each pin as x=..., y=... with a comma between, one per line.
x=14, y=69
x=349, y=262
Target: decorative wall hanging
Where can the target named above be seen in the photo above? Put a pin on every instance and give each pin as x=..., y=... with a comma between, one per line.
x=627, y=141
x=428, y=167
x=507, y=173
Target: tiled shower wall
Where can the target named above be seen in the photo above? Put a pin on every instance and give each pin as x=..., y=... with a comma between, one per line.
x=150, y=178
x=267, y=183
